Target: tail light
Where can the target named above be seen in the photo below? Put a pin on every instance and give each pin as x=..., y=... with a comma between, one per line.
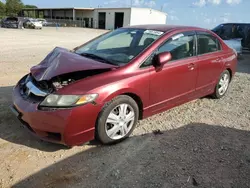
x=236, y=53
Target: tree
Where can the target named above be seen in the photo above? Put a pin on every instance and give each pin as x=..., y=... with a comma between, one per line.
x=30, y=6
x=13, y=7
x=2, y=9
x=31, y=13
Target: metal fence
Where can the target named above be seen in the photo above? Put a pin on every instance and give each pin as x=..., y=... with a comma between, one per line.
x=69, y=23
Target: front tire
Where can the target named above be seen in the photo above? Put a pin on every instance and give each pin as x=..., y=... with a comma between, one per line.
x=222, y=85
x=117, y=120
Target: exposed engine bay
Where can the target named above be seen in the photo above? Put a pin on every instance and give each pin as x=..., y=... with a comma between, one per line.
x=33, y=89
x=61, y=81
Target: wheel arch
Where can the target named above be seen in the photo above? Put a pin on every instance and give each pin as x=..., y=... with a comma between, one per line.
x=132, y=95
x=129, y=93
x=138, y=101
x=230, y=72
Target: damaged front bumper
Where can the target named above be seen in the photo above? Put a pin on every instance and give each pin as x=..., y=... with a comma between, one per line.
x=69, y=126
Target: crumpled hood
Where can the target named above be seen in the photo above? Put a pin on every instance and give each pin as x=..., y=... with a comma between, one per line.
x=61, y=61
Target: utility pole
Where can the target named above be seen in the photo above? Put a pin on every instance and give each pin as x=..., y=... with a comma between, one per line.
x=131, y=3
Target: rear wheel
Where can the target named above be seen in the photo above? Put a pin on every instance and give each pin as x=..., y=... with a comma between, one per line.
x=222, y=85
x=117, y=120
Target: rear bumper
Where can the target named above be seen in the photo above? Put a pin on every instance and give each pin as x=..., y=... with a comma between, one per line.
x=72, y=126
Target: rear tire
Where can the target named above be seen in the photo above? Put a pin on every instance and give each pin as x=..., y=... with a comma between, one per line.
x=117, y=120
x=222, y=85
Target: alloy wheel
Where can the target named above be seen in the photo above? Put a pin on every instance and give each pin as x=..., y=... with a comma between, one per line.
x=223, y=84
x=120, y=121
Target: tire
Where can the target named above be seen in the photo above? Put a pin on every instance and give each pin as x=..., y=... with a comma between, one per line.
x=217, y=92
x=121, y=130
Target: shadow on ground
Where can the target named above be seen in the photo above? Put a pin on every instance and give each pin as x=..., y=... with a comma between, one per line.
x=195, y=155
x=11, y=129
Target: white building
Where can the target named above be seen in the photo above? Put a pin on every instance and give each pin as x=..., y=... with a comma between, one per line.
x=112, y=18
x=103, y=18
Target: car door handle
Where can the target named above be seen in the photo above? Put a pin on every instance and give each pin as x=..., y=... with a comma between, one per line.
x=191, y=66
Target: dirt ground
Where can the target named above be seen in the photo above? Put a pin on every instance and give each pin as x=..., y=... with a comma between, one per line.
x=204, y=143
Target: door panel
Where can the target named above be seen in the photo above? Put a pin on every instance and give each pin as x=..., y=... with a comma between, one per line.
x=174, y=84
x=210, y=63
x=209, y=67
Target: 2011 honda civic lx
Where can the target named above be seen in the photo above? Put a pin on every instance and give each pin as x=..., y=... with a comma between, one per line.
x=102, y=88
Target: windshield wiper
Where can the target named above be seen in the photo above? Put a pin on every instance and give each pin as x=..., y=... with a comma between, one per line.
x=93, y=56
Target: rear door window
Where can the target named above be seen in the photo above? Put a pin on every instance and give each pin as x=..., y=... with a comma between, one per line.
x=207, y=43
x=11, y=19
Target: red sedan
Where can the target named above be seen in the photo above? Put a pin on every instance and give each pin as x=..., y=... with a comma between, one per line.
x=102, y=88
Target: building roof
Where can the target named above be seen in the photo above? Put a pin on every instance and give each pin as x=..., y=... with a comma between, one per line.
x=62, y=8
x=119, y=8
x=99, y=8
x=150, y=9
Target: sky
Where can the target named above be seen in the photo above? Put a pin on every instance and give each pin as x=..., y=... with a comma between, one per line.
x=202, y=13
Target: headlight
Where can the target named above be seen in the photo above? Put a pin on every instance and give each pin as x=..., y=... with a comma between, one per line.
x=67, y=100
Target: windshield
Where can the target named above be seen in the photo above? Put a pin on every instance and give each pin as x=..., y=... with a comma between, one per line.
x=120, y=46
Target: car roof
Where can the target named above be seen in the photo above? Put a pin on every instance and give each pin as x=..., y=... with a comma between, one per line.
x=164, y=27
x=234, y=23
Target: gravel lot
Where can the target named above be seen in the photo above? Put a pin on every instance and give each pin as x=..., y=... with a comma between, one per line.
x=204, y=143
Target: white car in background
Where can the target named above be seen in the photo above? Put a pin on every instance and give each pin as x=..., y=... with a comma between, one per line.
x=42, y=21
x=32, y=24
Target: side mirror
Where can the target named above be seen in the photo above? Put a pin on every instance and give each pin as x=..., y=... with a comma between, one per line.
x=162, y=58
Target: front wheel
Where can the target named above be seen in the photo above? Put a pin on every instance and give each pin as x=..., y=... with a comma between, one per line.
x=222, y=85
x=117, y=120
